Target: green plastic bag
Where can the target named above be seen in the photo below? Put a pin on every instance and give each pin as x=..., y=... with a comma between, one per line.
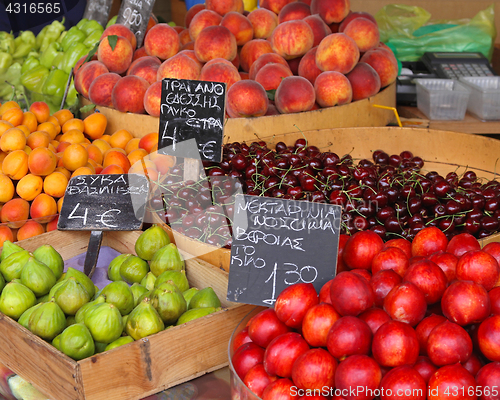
x=410, y=32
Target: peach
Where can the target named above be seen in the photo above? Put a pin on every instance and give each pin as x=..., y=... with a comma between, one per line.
x=247, y=99
x=30, y=229
x=332, y=88
x=294, y=10
x=52, y=225
x=114, y=157
x=331, y=11
x=184, y=37
x=145, y=67
x=274, y=5
x=293, y=64
x=79, y=63
x=223, y=7
x=43, y=208
x=86, y=75
x=364, y=32
x=140, y=52
x=100, y=89
x=162, y=41
x=236, y=61
x=29, y=186
x=264, y=22
x=364, y=80
x=201, y=20
x=243, y=75
x=15, y=212
x=6, y=188
x=15, y=164
x=220, y=72
x=128, y=94
x=195, y=9
x=307, y=66
x=319, y=28
x=239, y=25
x=292, y=39
x=294, y=94
x=115, y=59
x=384, y=62
x=180, y=66
x=149, y=141
x=271, y=75
x=337, y=52
x=42, y=161
x=6, y=234
x=253, y=50
x=272, y=110
x=121, y=30
x=215, y=42
x=266, y=58
x=152, y=99
x=355, y=14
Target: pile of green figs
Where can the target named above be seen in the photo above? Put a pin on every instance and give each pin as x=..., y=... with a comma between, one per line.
x=149, y=292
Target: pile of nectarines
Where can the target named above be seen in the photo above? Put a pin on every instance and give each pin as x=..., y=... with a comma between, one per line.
x=312, y=53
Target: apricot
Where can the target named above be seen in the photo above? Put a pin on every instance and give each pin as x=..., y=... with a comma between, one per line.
x=118, y=149
x=162, y=161
x=7, y=106
x=62, y=146
x=6, y=188
x=120, y=138
x=94, y=153
x=4, y=126
x=106, y=138
x=14, y=116
x=73, y=136
x=25, y=130
x=52, y=225
x=148, y=141
x=132, y=145
x=48, y=127
x=74, y=157
x=42, y=161
x=13, y=139
x=53, y=120
x=95, y=125
x=102, y=145
x=41, y=111
x=6, y=234
x=55, y=184
x=73, y=123
x=15, y=212
x=15, y=165
x=29, y=186
x=117, y=158
x=60, y=204
x=30, y=121
x=43, y=208
x=63, y=116
x=136, y=155
x=112, y=169
x=82, y=171
x=63, y=171
x=30, y=229
x=38, y=139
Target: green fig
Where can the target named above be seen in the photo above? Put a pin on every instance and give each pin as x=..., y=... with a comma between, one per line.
x=25, y=317
x=188, y=294
x=70, y=320
x=56, y=342
x=178, y=278
x=71, y=296
x=53, y=290
x=119, y=342
x=37, y=276
x=151, y=240
x=51, y=258
x=149, y=281
x=8, y=248
x=134, y=269
x=138, y=290
x=104, y=322
x=12, y=266
x=83, y=279
x=76, y=342
x=143, y=321
x=114, y=267
x=80, y=314
x=145, y=294
x=16, y=299
x=124, y=319
x=100, y=347
x=119, y=294
x=167, y=258
x=2, y=283
x=205, y=297
x=43, y=299
x=47, y=321
x=195, y=313
x=169, y=303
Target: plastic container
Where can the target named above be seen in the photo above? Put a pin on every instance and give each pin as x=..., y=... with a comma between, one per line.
x=442, y=99
x=484, y=99
x=239, y=391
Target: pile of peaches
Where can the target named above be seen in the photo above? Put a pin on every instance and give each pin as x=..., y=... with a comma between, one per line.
x=283, y=57
x=40, y=153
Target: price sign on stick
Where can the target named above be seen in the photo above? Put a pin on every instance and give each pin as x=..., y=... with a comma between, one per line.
x=192, y=110
x=100, y=203
x=98, y=10
x=278, y=243
x=134, y=14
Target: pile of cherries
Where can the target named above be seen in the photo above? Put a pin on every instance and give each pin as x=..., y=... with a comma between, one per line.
x=389, y=194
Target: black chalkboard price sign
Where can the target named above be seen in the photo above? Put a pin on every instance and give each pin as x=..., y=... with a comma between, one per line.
x=134, y=14
x=98, y=10
x=277, y=243
x=192, y=110
x=104, y=203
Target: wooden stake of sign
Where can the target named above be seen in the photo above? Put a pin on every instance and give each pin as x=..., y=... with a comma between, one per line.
x=134, y=14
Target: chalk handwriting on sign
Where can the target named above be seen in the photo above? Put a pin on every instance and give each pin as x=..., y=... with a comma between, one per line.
x=104, y=202
x=134, y=14
x=192, y=110
x=98, y=10
x=278, y=243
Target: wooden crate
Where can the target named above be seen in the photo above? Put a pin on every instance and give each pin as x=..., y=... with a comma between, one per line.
x=135, y=370
x=357, y=113
x=442, y=151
